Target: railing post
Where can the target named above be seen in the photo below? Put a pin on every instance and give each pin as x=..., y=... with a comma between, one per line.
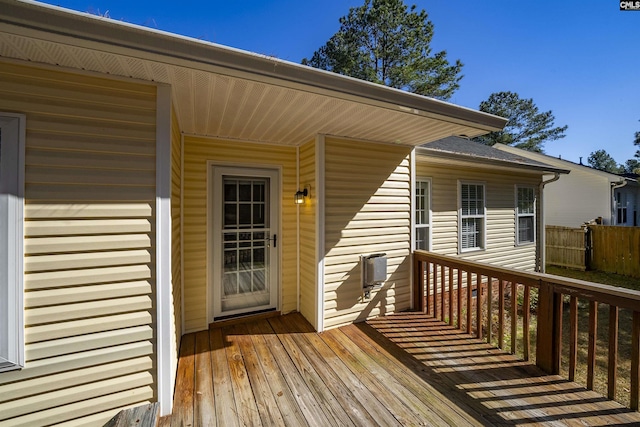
x=549, y=329
x=418, y=285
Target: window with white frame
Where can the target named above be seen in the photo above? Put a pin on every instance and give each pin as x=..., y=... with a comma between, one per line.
x=472, y=217
x=621, y=208
x=423, y=214
x=12, y=133
x=525, y=215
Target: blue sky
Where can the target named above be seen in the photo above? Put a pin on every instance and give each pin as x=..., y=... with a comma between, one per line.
x=580, y=59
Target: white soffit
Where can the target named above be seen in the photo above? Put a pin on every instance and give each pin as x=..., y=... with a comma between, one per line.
x=216, y=102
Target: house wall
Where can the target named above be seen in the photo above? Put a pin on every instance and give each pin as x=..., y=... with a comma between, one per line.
x=308, y=241
x=367, y=210
x=578, y=197
x=89, y=239
x=500, y=213
x=197, y=151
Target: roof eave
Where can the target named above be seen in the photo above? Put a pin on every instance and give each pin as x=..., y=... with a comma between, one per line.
x=38, y=17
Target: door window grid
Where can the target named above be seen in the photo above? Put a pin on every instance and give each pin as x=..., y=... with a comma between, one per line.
x=245, y=249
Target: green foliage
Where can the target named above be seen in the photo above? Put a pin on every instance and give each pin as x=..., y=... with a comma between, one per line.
x=388, y=43
x=636, y=142
x=632, y=165
x=601, y=160
x=527, y=127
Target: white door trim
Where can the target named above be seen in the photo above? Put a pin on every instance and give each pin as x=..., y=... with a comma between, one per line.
x=214, y=222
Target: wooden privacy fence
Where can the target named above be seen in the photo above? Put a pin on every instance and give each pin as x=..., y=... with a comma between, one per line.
x=462, y=292
x=566, y=247
x=615, y=249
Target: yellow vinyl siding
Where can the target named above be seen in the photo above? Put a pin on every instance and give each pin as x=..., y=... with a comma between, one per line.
x=367, y=210
x=308, y=254
x=89, y=246
x=197, y=151
x=500, y=213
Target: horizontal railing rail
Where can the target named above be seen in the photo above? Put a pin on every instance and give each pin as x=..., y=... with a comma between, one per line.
x=479, y=298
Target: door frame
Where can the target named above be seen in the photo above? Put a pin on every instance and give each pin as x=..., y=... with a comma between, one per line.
x=256, y=170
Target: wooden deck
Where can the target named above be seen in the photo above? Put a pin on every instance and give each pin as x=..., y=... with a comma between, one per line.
x=405, y=369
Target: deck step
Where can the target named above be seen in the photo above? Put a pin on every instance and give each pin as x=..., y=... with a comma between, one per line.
x=140, y=416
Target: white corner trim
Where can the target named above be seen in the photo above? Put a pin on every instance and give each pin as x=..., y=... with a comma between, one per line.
x=320, y=225
x=412, y=218
x=12, y=251
x=165, y=360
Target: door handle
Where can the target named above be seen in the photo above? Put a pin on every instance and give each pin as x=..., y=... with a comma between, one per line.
x=275, y=240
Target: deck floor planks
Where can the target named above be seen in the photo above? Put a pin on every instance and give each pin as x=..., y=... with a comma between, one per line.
x=405, y=369
x=204, y=403
x=570, y=407
x=328, y=393
x=290, y=406
x=222, y=388
x=245, y=400
x=265, y=400
x=407, y=373
x=183, y=396
x=357, y=401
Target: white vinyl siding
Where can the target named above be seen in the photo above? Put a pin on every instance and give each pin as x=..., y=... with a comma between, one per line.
x=367, y=211
x=525, y=215
x=423, y=214
x=12, y=133
x=89, y=244
x=472, y=216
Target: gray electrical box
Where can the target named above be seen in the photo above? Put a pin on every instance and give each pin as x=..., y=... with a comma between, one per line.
x=374, y=270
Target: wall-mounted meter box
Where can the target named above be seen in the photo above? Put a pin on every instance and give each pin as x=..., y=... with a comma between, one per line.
x=374, y=270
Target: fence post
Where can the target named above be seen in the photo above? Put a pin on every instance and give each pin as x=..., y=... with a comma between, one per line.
x=588, y=247
x=549, y=338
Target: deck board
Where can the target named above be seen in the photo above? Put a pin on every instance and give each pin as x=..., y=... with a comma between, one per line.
x=404, y=369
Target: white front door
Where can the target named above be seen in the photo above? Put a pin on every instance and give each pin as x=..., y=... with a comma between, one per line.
x=245, y=240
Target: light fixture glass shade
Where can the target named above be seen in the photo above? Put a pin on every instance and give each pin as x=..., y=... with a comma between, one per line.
x=299, y=196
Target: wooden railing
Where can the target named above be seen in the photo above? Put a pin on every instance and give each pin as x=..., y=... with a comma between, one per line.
x=472, y=296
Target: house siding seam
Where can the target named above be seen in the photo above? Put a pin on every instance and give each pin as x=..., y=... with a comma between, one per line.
x=197, y=151
x=368, y=202
x=499, y=218
x=308, y=256
x=89, y=247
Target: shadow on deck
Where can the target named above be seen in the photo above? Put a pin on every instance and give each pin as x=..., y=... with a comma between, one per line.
x=404, y=369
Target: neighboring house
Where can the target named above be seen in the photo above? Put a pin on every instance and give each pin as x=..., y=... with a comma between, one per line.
x=480, y=203
x=149, y=181
x=586, y=194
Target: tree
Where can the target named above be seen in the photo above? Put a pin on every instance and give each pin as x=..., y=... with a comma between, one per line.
x=636, y=142
x=632, y=166
x=601, y=160
x=526, y=128
x=385, y=42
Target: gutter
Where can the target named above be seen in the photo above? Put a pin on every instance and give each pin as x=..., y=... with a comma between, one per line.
x=542, y=250
x=615, y=186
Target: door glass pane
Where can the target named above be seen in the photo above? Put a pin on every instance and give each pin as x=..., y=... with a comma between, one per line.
x=246, y=241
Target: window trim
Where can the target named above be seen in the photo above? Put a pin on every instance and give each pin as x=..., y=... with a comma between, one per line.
x=483, y=216
x=534, y=215
x=12, y=126
x=416, y=226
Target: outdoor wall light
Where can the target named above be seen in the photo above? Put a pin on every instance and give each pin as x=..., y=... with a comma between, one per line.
x=300, y=195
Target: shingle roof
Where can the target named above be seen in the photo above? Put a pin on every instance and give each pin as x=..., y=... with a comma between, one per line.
x=475, y=151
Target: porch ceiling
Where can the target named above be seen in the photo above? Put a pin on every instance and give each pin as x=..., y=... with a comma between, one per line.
x=226, y=93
